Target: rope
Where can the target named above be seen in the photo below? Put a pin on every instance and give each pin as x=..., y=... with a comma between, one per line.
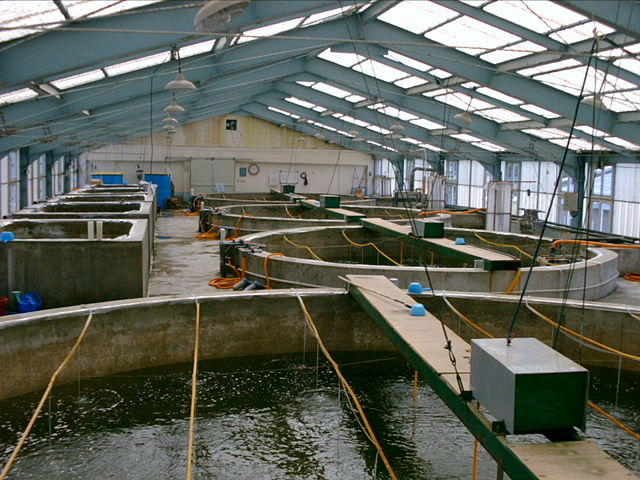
x=617, y=423
x=467, y=320
x=591, y=404
x=513, y=283
x=303, y=246
x=632, y=276
x=594, y=244
x=435, y=212
x=194, y=386
x=235, y=233
x=511, y=246
x=267, y=281
x=286, y=209
x=25, y=434
x=370, y=244
x=369, y=431
x=209, y=234
x=582, y=337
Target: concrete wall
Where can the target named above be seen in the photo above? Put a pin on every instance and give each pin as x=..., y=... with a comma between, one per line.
x=206, y=149
x=157, y=331
x=300, y=269
x=75, y=270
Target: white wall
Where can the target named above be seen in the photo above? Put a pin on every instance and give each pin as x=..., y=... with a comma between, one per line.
x=204, y=153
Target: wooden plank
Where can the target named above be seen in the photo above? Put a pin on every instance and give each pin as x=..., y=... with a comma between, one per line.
x=492, y=260
x=575, y=460
x=341, y=213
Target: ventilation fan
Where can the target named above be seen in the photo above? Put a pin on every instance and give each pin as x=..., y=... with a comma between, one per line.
x=218, y=13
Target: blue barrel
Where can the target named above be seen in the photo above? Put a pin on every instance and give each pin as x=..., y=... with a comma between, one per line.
x=109, y=178
x=163, y=183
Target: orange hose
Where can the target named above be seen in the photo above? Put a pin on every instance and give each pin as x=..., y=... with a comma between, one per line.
x=435, y=212
x=223, y=283
x=267, y=282
x=632, y=276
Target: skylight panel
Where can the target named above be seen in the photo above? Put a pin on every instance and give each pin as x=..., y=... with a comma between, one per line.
x=379, y=70
x=428, y=146
x=501, y=115
x=539, y=111
x=490, y=92
x=396, y=113
x=437, y=72
x=535, y=15
x=578, y=144
x=138, y=64
x=282, y=112
x=461, y=101
x=623, y=143
x=117, y=6
x=302, y=103
x=354, y=98
x=492, y=147
x=326, y=16
x=269, y=30
x=427, y=124
x=319, y=108
x=79, y=79
x=410, y=82
x=341, y=58
x=471, y=36
x=15, y=14
x=305, y=84
x=378, y=129
x=571, y=80
x=629, y=64
x=591, y=131
x=417, y=16
x=580, y=32
x=411, y=140
x=518, y=50
x=196, y=48
x=17, y=96
x=328, y=89
x=561, y=65
x=546, y=133
x=465, y=137
x=408, y=61
x=622, y=101
x=435, y=93
x=350, y=119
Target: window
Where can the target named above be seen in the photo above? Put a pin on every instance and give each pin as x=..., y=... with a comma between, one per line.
x=9, y=184
x=451, y=171
x=601, y=199
x=512, y=174
x=231, y=124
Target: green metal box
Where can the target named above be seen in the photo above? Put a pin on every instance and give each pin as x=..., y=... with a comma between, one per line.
x=427, y=228
x=288, y=188
x=329, y=201
x=528, y=385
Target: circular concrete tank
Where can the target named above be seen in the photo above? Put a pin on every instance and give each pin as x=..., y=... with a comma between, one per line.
x=226, y=199
x=251, y=218
x=318, y=256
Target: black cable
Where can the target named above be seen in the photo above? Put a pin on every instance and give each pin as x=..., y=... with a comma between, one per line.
x=553, y=196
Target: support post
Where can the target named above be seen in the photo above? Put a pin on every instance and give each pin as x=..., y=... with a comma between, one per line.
x=23, y=166
x=581, y=171
x=48, y=180
x=67, y=174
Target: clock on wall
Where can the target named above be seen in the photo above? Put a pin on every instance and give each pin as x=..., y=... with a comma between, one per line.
x=254, y=169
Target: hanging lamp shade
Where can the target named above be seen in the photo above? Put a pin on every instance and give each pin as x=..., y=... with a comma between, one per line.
x=596, y=101
x=396, y=127
x=169, y=129
x=173, y=107
x=180, y=84
x=358, y=139
x=169, y=120
x=353, y=132
x=319, y=136
x=217, y=13
x=464, y=117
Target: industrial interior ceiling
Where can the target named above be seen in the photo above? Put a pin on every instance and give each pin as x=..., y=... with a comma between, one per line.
x=472, y=79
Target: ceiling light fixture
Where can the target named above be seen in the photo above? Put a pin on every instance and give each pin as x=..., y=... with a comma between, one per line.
x=396, y=127
x=173, y=107
x=595, y=101
x=353, y=132
x=169, y=120
x=465, y=117
x=218, y=13
x=179, y=84
x=319, y=136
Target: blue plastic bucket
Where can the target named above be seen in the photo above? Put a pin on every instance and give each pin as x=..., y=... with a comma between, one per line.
x=29, y=302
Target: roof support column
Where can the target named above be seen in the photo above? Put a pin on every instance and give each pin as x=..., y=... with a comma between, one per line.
x=23, y=178
x=48, y=172
x=581, y=169
x=67, y=172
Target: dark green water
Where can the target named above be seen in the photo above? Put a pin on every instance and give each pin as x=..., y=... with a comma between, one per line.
x=266, y=418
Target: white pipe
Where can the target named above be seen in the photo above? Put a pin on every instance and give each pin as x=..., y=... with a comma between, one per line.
x=99, y=230
x=91, y=235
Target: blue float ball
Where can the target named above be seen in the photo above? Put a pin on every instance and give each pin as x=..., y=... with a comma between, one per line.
x=418, y=310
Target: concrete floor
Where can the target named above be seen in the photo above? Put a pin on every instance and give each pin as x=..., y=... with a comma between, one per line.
x=184, y=265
